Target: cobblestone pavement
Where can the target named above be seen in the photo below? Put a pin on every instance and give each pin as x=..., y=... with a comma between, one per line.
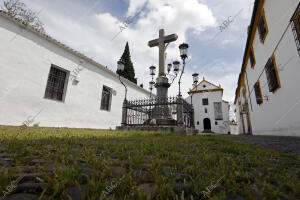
x=277, y=143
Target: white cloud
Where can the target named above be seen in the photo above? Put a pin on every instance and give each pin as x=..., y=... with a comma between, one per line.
x=91, y=33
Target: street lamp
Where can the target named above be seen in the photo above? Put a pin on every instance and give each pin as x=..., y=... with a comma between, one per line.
x=151, y=83
x=195, y=78
x=151, y=87
x=176, y=66
x=195, y=81
x=173, y=75
x=169, y=67
x=120, y=69
x=152, y=70
x=183, y=49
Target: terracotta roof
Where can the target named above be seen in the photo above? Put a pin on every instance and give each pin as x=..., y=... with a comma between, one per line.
x=67, y=48
x=208, y=83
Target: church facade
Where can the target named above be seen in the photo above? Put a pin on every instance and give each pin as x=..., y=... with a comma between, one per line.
x=267, y=97
x=45, y=83
x=211, y=112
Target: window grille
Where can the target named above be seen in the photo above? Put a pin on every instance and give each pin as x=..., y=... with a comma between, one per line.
x=258, y=93
x=55, y=84
x=106, y=98
x=272, y=75
x=205, y=102
x=262, y=27
x=251, y=57
x=296, y=27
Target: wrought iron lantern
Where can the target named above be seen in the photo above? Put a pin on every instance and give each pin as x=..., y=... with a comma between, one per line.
x=169, y=67
x=195, y=78
x=152, y=70
x=121, y=66
x=151, y=85
x=183, y=48
x=176, y=66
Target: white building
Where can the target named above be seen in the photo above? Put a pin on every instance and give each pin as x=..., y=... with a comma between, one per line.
x=267, y=97
x=211, y=112
x=45, y=83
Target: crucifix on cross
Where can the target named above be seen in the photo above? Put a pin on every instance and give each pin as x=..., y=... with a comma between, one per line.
x=161, y=43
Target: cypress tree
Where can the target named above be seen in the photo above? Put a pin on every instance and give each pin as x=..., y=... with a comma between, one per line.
x=128, y=72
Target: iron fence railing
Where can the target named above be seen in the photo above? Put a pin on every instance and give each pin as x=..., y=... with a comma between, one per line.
x=157, y=111
x=296, y=27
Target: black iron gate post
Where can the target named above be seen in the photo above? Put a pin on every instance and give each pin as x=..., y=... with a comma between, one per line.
x=179, y=111
x=124, y=113
x=193, y=118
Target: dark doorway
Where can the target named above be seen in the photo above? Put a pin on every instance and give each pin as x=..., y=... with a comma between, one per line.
x=207, y=125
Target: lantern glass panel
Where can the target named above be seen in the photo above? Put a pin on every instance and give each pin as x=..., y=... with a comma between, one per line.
x=195, y=78
x=152, y=70
x=169, y=67
x=176, y=66
x=183, y=48
x=120, y=66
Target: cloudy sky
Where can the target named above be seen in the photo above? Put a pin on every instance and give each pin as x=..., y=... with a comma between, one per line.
x=89, y=26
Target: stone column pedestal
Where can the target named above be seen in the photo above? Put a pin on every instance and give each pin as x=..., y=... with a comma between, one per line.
x=162, y=85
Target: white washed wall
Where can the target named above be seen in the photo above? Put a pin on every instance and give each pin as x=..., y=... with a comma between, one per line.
x=200, y=114
x=25, y=63
x=280, y=115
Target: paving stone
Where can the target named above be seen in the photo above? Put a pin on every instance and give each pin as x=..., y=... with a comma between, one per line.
x=177, y=176
x=76, y=193
x=82, y=165
x=31, y=187
x=233, y=197
x=117, y=171
x=52, y=167
x=99, y=155
x=89, y=171
x=142, y=176
x=34, y=177
x=5, y=163
x=112, y=156
x=256, y=192
x=5, y=159
x=145, y=166
x=149, y=189
x=50, y=148
x=101, y=151
x=21, y=196
x=179, y=187
x=36, y=161
x=125, y=164
x=26, y=169
x=6, y=155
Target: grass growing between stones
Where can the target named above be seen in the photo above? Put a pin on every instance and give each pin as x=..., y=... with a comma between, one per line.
x=57, y=163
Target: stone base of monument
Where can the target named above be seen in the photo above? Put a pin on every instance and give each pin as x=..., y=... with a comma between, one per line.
x=161, y=128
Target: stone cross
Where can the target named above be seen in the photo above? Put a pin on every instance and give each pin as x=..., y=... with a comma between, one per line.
x=160, y=42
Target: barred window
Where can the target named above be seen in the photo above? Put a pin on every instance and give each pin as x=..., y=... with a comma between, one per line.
x=272, y=75
x=296, y=27
x=258, y=93
x=56, y=84
x=251, y=57
x=205, y=101
x=106, y=98
x=262, y=27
